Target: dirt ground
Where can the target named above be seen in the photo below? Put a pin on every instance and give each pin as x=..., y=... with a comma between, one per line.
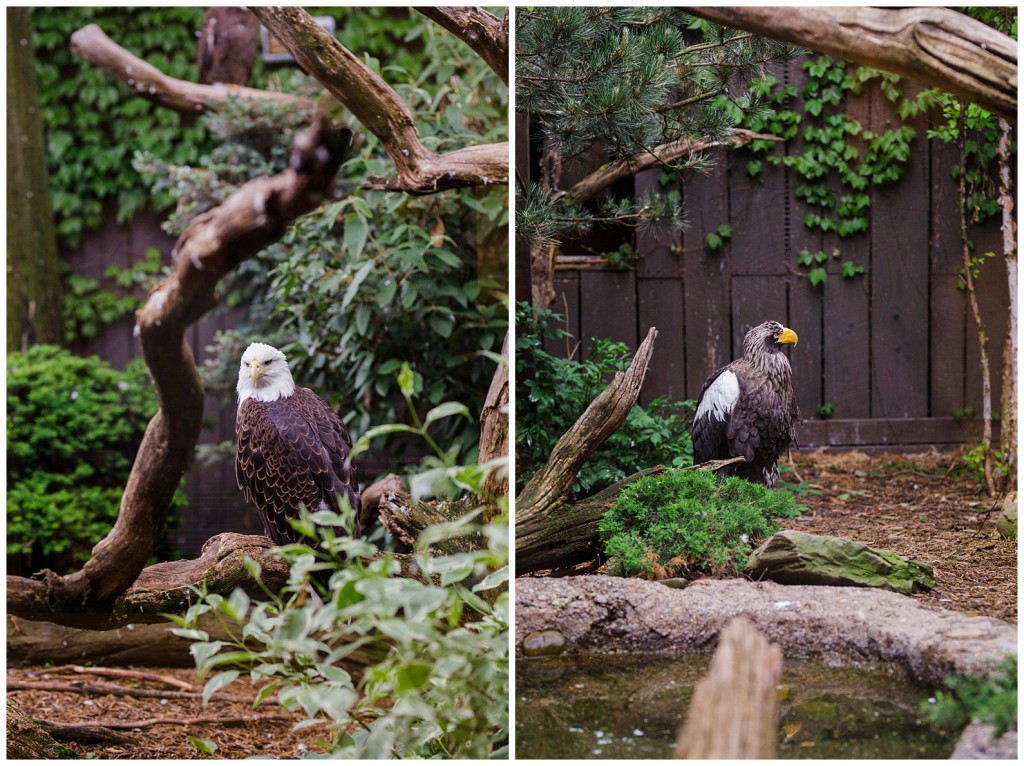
x=923, y=506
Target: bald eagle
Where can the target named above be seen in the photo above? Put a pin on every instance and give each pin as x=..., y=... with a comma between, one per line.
x=228, y=44
x=748, y=408
x=292, y=449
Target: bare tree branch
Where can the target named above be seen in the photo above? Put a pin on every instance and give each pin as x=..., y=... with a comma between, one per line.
x=93, y=45
x=935, y=45
x=485, y=33
x=606, y=175
x=380, y=110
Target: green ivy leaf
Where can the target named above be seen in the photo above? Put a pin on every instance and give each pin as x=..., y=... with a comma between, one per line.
x=817, y=276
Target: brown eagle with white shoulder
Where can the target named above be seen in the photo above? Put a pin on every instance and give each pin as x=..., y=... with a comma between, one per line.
x=748, y=408
x=292, y=449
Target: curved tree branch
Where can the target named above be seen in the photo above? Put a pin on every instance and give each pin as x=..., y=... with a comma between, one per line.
x=256, y=215
x=936, y=45
x=606, y=175
x=382, y=112
x=93, y=45
x=485, y=33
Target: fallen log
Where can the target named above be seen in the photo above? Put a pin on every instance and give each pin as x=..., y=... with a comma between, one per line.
x=735, y=707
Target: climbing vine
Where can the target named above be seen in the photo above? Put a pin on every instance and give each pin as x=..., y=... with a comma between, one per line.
x=839, y=160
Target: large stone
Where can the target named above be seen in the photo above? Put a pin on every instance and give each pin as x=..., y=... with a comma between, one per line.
x=798, y=558
x=1006, y=524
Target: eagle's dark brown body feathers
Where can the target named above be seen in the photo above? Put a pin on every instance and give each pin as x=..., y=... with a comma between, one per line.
x=292, y=452
x=748, y=408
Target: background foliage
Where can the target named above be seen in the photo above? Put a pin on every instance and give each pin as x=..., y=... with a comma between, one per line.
x=73, y=428
x=552, y=392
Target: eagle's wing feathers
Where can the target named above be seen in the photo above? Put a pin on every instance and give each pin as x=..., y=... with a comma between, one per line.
x=715, y=405
x=291, y=452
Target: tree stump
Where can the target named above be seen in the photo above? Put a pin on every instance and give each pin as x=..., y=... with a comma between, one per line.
x=735, y=708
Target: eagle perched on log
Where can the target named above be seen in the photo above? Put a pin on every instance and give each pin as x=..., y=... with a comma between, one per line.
x=748, y=408
x=292, y=449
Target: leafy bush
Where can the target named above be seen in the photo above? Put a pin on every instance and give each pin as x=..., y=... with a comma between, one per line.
x=682, y=522
x=73, y=428
x=552, y=392
x=991, y=700
x=438, y=683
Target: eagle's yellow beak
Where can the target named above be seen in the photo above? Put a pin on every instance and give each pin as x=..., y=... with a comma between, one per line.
x=256, y=372
x=787, y=336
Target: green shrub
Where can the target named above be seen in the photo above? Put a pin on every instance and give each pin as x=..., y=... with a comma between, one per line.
x=437, y=681
x=991, y=700
x=685, y=522
x=552, y=392
x=73, y=428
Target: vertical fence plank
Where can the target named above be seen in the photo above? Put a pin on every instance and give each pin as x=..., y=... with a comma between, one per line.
x=899, y=279
x=947, y=314
x=706, y=279
x=659, y=247
x=660, y=304
x=567, y=303
x=607, y=307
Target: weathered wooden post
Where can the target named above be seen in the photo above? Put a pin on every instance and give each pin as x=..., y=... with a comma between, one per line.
x=735, y=708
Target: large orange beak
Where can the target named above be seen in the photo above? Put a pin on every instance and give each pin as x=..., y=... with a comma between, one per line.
x=787, y=336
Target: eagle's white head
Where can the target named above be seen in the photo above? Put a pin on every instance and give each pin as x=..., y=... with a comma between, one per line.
x=264, y=375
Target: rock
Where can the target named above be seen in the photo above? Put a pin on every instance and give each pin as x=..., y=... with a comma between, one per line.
x=544, y=643
x=1006, y=524
x=978, y=741
x=836, y=625
x=799, y=558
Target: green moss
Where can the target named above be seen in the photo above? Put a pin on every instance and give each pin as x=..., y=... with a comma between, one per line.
x=681, y=522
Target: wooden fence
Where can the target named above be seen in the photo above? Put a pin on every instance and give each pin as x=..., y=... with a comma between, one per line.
x=893, y=353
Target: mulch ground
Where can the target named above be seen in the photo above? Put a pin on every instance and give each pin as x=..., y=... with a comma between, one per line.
x=155, y=713
x=923, y=506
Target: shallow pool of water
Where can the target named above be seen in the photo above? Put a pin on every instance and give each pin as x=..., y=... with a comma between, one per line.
x=632, y=706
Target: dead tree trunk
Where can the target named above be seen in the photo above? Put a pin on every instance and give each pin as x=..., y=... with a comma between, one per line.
x=545, y=513
x=494, y=438
x=1008, y=421
x=735, y=707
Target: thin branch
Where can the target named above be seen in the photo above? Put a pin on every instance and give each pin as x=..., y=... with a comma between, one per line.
x=485, y=33
x=145, y=723
x=606, y=175
x=382, y=112
x=93, y=45
x=144, y=675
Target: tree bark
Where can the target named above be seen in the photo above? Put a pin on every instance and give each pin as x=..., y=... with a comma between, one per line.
x=735, y=707
x=485, y=33
x=935, y=45
x=1008, y=421
x=494, y=438
x=34, y=302
x=93, y=45
x=382, y=112
x=543, y=508
x=28, y=741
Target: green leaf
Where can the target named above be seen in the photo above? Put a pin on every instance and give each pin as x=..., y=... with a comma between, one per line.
x=392, y=428
x=817, y=276
x=354, y=285
x=447, y=409
x=412, y=677
x=357, y=229
x=204, y=746
x=406, y=380
x=217, y=683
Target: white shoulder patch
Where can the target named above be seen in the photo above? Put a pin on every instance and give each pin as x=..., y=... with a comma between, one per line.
x=720, y=397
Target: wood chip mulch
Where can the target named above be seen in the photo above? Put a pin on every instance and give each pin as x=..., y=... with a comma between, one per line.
x=923, y=506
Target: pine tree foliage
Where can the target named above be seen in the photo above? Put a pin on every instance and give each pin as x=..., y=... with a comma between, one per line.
x=629, y=80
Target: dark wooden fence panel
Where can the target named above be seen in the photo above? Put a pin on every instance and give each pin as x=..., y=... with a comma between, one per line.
x=892, y=353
